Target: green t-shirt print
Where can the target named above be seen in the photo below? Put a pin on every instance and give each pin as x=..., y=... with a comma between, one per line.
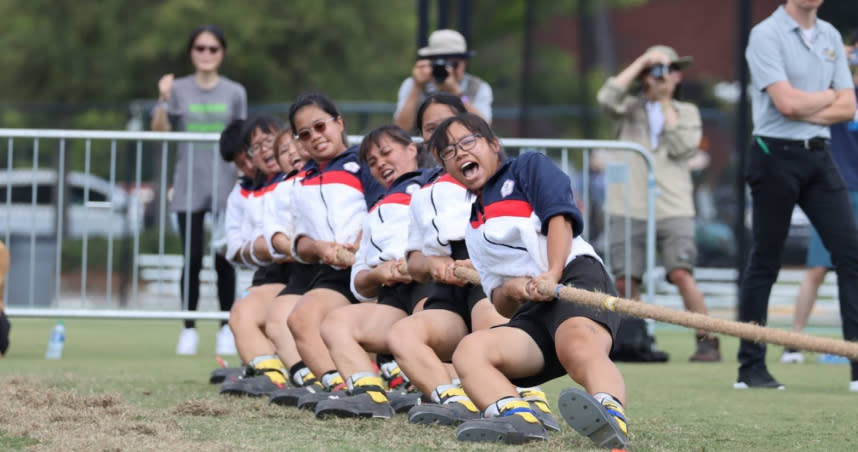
x=206, y=117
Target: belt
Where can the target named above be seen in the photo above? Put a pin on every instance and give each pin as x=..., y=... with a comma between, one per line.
x=815, y=143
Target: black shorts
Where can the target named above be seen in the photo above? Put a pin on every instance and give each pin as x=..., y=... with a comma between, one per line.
x=541, y=320
x=404, y=296
x=327, y=277
x=300, y=276
x=458, y=300
x=271, y=274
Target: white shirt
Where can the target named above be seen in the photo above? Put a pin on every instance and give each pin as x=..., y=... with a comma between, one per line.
x=656, y=121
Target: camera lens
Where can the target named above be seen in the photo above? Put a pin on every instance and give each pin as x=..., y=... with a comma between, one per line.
x=439, y=71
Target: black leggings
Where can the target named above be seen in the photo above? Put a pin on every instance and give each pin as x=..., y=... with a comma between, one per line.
x=225, y=271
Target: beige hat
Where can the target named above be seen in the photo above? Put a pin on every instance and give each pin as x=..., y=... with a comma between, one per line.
x=675, y=59
x=445, y=43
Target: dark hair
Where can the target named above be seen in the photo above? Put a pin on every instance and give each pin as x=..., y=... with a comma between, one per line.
x=232, y=140
x=470, y=121
x=265, y=123
x=319, y=100
x=213, y=29
x=454, y=102
x=374, y=138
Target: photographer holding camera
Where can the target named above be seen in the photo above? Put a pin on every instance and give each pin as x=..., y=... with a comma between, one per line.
x=440, y=67
x=671, y=130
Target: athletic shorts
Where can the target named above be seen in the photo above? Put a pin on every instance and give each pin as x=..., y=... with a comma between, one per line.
x=674, y=238
x=404, y=296
x=817, y=255
x=458, y=300
x=327, y=277
x=271, y=274
x=300, y=276
x=541, y=320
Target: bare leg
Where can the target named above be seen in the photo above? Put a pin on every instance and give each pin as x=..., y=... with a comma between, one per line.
x=304, y=323
x=247, y=319
x=351, y=331
x=635, y=287
x=484, y=316
x=813, y=278
x=277, y=330
x=692, y=297
x=582, y=347
x=421, y=341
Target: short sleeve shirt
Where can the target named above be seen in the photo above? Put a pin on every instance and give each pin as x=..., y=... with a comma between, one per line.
x=777, y=52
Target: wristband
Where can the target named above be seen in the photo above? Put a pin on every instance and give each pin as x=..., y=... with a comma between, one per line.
x=161, y=104
x=465, y=99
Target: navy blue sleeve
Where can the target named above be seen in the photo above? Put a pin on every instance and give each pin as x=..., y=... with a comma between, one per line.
x=372, y=189
x=548, y=190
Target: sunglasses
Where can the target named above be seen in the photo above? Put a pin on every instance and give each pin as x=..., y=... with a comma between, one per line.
x=202, y=49
x=466, y=144
x=319, y=127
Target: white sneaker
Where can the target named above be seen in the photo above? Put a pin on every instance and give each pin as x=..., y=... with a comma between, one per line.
x=853, y=386
x=188, y=341
x=225, y=342
x=792, y=357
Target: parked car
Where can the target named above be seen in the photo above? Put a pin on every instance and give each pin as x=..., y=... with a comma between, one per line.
x=106, y=208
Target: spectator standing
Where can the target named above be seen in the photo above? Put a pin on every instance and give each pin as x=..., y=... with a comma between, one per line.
x=671, y=131
x=844, y=151
x=801, y=85
x=440, y=67
x=204, y=101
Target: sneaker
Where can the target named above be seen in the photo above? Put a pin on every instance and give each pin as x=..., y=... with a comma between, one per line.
x=853, y=386
x=290, y=396
x=450, y=413
x=539, y=404
x=225, y=342
x=310, y=400
x=365, y=401
x=404, y=401
x=222, y=374
x=708, y=349
x=792, y=356
x=756, y=377
x=604, y=423
x=188, y=342
x=256, y=386
x=516, y=425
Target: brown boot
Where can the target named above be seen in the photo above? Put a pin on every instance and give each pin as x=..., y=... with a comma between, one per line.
x=708, y=349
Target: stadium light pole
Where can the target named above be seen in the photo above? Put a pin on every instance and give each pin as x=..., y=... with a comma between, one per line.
x=743, y=26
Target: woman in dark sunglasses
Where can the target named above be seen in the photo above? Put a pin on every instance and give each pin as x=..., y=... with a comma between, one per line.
x=204, y=101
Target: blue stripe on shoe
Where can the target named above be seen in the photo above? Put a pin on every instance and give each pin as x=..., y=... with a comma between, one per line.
x=616, y=414
x=513, y=411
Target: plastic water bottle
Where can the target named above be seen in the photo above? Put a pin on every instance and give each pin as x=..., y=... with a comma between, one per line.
x=57, y=341
x=825, y=358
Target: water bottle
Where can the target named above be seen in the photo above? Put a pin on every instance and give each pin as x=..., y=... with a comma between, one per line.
x=57, y=341
x=825, y=358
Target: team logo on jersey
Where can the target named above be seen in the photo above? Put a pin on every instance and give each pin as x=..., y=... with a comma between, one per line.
x=351, y=167
x=412, y=188
x=829, y=53
x=507, y=187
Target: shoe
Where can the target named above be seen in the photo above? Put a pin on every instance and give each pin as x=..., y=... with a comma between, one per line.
x=256, y=386
x=188, y=342
x=853, y=386
x=310, y=400
x=792, y=356
x=513, y=426
x=708, y=349
x=225, y=344
x=450, y=413
x=604, y=423
x=539, y=404
x=222, y=374
x=404, y=401
x=290, y=396
x=366, y=402
x=756, y=377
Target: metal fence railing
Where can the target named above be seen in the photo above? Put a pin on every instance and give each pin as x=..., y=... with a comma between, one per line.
x=84, y=215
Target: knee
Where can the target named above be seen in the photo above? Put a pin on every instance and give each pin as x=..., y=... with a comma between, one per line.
x=578, y=341
x=402, y=336
x=238, y=315
x=334, y=327
x=680, y=276
x=298, y=321
x=473, y=349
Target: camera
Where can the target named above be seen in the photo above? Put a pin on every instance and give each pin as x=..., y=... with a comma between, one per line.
x=659, y=71
x=439, y=70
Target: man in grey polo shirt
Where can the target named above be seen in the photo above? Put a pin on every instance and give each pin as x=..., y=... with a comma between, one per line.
x=801, y=85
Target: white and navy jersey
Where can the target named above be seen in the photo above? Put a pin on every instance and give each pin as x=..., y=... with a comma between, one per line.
x=256, y=211
x=237, y=222
x=385, y=228
x=507, y=236
x=439, y=215
x=278, y=211
x=331, y=203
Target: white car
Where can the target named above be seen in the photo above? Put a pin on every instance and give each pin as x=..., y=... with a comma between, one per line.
x=107, y=208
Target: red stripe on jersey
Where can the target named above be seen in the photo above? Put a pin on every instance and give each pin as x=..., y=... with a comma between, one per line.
x=395, y=198
x=448, y=178
x=245, y=193
x=510, y=208
x=336, y=177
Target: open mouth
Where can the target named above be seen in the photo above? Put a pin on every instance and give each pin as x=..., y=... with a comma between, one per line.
x=468, y=169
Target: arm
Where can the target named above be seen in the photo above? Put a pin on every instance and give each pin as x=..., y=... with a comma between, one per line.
x=260, y=250
x=842, y=109
x=682, y=134
x=797, y=104
x=509, y=296
x=409, y=95
x=417, y=267
x=160, y=121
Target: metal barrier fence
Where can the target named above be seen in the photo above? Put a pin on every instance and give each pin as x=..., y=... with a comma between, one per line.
x=50, y=215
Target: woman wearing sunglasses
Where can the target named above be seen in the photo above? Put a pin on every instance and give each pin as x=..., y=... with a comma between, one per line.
x=331, y=201
x=524, y=228
x=204, y=101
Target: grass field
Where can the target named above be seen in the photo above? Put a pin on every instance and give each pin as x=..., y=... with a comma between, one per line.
x=120, y=387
